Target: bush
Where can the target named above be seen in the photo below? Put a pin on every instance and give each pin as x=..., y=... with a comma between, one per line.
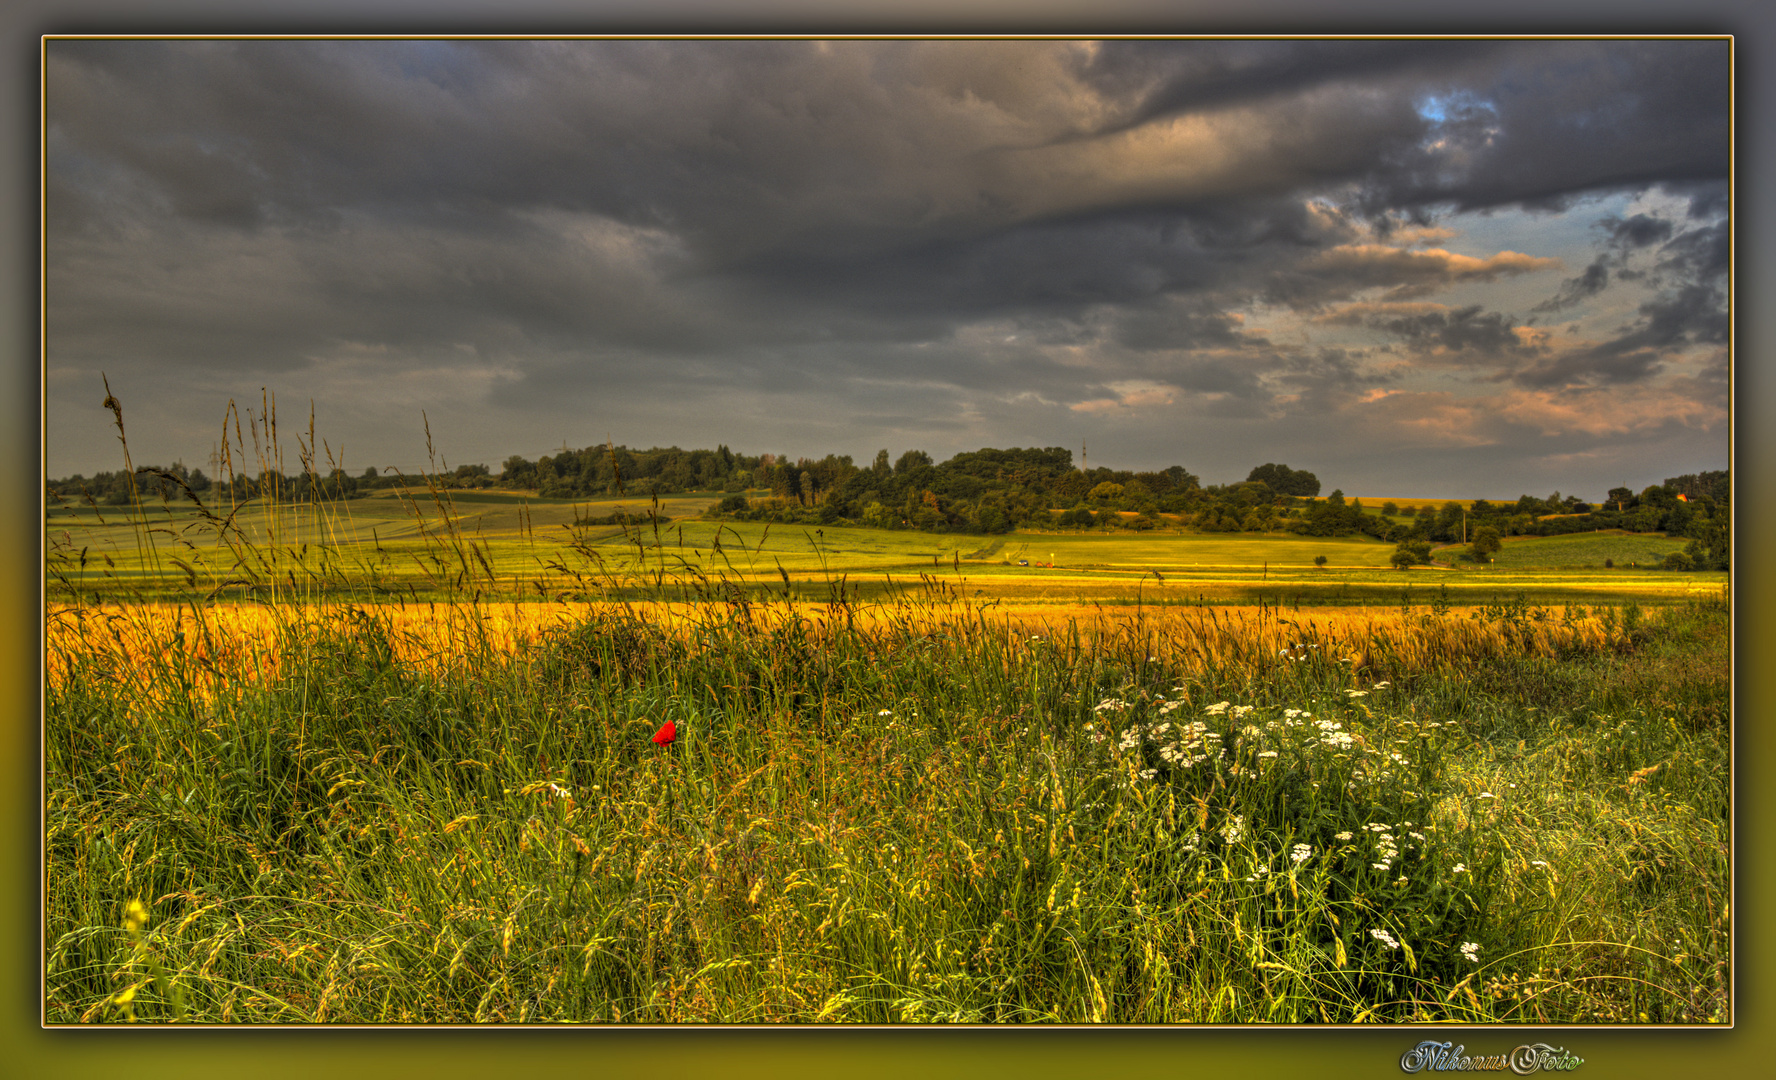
x=732, y=504
x=1677, y=560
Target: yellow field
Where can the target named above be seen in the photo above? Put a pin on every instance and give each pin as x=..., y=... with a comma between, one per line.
x=213, y=647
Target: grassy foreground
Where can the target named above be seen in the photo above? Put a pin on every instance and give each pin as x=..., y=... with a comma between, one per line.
x=933, y=815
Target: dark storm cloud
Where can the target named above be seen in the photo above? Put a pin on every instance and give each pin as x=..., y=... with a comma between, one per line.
x=1468, y=331
x=1175, y=328
x=1551, y=121
x=1578, y=289
x=1688, y=311
x=854, y=229
x=1166, y=80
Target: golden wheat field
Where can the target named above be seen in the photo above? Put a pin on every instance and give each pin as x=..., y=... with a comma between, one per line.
x=253, y=643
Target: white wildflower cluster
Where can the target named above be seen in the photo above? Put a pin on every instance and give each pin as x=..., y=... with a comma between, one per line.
x=1223, y=708
x=1356, y=693
x=1386, y=849
x=1470, y=950
x=1298, y=651
x=1110, y=704
x=1300, y=853
x=1234, y=829
x=1342, y=836
x=1332, y=734
x=1260, y=872
x=1181, y=746
x=1459, y=868
x=1384, y=937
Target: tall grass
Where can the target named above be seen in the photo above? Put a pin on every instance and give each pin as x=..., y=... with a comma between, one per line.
x=905, y=812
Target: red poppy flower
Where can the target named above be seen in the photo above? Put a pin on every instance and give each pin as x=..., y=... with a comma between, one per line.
x=668, y=732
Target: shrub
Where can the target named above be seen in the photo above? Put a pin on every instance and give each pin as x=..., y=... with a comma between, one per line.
x=1677, y=560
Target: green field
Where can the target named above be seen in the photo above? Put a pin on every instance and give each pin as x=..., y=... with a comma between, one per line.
x=1587, y=550
x=507, y=544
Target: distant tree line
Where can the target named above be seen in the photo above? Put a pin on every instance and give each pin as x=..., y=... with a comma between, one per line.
x=1696, y=506
x=987, y=491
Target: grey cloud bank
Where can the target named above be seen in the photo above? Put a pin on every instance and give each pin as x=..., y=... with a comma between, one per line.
x=1206, y=253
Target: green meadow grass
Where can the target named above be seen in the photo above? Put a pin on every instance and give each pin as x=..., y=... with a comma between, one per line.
x=901, y=826
x=1588, y=550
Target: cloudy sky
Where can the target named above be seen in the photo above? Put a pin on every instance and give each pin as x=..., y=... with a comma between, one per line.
x=1443, y=268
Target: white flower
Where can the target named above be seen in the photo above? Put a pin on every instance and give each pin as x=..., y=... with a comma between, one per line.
x=1234, y=829
x=1381, y=685
x=1459, y=868
x=886, y=712
x=1471, y=950
x=1384, y=937
x=1258, y=873
x=1216, y=709
x=1301, y=853
x=1373, y=827
x=1148, y=774
x=1112, y=704
x=1267, y=753
x=1383, y=867
x=1356, y=693
x=1402, y=880
x=1538, y=862
x=1130, y=739
x=1342, y=836
x=1486, y=795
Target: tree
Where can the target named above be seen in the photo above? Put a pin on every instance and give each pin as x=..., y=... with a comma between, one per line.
x=1286, y=481
x=1411, y=551
x=911, y=460
x=1319, y=560
x=1486, y=542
